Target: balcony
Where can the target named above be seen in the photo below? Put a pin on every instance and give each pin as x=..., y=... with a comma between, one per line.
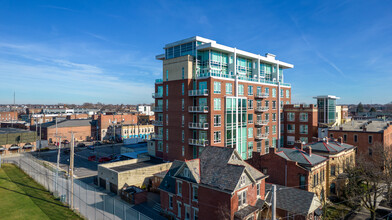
x=261, y=109
x=158, y=81
x=200, y=92
x=261, y=136
x=198, y=142
x=158, y=109
x=261, y=122
x=202, y=126
x=158, y=137
x=157, y=123
x=198, y=109
x=157, y=95
x=261, y=95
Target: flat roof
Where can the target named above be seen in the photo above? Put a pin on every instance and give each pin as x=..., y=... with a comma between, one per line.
x=359, y=125
x=13, y=130
x=326, y=97
x=151, y=162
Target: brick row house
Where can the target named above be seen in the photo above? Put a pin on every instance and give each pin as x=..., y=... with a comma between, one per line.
x=217, y=185
x=211, y=94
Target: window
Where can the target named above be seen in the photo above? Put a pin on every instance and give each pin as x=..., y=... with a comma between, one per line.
x=170, y=202
x=370, y=151
x=258, y=189
x=167, y=119
x=345, y=138
x=250, y=104
x=182, y=104
x=273, y=104
x=187, y=212
x=250, y=118
x=302, y=182
x=182, y=136
x=303, y=117
x=333, y=170
x=273, y=116
x=182, y=120
x=266, y=145
x=167, y=148
x=217, y=87
x=281, y=93
x=266, y=115
x=167, y=104
x=167, y=90
x=250, y=149
x=217, y=104
x=287, y=94
x=303, y=129
x=250, y=90
x=370, y=139
x=182, y=88
x=217, y=137
x=290, y=128
x=160, y=146
x=183, y=151
x=195, y=214
x=229, y=88
x=267, y=129
x=355, y=138
x=179, y=209
x=267, y=91
x=250, y=132
x=179, y=188
x=290, y=116
x=273, y=129
x=303, y=140
x=273, y=92
x=242, y=198
x=240, y=89
x=167, y=75
x=167, y=134
x=217, y=120
x=195, y=193
x=183, y=73
x=314, y=180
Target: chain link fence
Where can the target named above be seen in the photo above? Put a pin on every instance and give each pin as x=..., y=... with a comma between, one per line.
x=87, y=200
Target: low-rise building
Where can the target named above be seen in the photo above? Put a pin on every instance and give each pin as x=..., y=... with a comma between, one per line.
x=126, y=131
x=13, y=140
x=364, y=134
x=8, y=116
x=81, y=129
x=300, y=124
x=108, y=120
x=217, y=185
x=294, y=168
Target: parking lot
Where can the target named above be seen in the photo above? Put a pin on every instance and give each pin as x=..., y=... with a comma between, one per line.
x=83, y=168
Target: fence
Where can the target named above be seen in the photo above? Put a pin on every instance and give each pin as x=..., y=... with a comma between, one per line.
x=88, y=201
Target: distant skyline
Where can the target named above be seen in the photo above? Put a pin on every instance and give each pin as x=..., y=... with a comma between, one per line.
x=103, y=51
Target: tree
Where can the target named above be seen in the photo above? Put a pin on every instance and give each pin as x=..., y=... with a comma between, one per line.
x=372, y=110
x=370, y=178
x=360, y=107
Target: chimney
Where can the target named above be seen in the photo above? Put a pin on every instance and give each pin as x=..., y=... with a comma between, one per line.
x=340, y=139
x=272, y=150
x=309, y=150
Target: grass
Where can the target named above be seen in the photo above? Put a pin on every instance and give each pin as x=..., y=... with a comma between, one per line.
x=22, y=198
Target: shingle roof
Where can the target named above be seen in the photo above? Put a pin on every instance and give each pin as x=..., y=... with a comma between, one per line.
x=301, y=157
x=217, y=167
x=330, y=147
x=293, y=200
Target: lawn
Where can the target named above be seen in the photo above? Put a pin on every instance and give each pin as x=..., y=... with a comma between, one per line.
x=22, y=198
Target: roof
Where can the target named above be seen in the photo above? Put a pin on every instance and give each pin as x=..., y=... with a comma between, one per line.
x=330, y=147
x=301, y=157
x=359, y=125
x=217, y=167
x=13, y=131
x=68, y=123
x=326, y=97
x=294, y=200
x=151, y=162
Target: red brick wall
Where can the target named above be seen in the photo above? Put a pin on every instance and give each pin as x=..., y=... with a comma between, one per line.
x=81, y=133
x=8, y=116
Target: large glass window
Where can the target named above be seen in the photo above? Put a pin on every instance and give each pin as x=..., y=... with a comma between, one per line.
x=250, y=90
x=303, y=117
x=290, y=116
x=217, y=87
x=250, y=132
x=303, y=129
x=273, y=92
x=217, y=104
x=240, y=89
x=229, y=88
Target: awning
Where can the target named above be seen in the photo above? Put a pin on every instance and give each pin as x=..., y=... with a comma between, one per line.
x=14, y=148
x=28, y=146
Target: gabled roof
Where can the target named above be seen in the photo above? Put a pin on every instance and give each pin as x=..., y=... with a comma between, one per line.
x=301, y=157
x=293, y=200
x=330, y=147
x=194, y=169
x=217, y=167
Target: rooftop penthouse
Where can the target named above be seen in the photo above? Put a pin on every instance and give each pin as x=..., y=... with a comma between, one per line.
x=217, y=60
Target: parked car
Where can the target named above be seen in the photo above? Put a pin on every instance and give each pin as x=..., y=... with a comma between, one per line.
x=91, y=147
x=97, y=143
x=119, y=158
x=65, y=142
x=104, y=159
x=66, y=151
x=81, y=145
x=92, y=158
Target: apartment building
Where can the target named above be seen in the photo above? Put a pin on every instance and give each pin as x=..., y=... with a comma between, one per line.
x=105, y=121
x=326, y=109
x=218, y=185
x=299, y=124
x=8, y=116
x=364, y=134
x=211, y=94
x=293, y=167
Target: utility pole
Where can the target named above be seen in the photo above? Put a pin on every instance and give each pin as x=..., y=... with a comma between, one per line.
x=273, y=202
x=71, y=167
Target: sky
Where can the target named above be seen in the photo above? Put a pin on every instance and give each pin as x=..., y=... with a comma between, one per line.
x=104, y=51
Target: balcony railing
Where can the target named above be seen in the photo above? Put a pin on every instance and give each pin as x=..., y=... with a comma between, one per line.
x=157, y=95
x=203, y=126
x=261, y=109
x=200, y=92
x=261, y=122
x=261, y=136
x=158, y=81
x=200, y=109
x=158, y=137
x=157, y=123
x=198, y=142
x=261, y=95
x=158, y=109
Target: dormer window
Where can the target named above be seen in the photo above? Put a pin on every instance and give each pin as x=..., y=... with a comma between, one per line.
x=242, y=180
x=186, y=172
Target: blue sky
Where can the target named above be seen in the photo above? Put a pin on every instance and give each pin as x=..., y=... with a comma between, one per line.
x=104, y=51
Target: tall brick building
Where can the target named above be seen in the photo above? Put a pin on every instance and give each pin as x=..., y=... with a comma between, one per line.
x=105, y=121
x=211, y=94
x=299, y=123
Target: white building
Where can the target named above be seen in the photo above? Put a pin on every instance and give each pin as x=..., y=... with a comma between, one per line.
x=145, y=109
